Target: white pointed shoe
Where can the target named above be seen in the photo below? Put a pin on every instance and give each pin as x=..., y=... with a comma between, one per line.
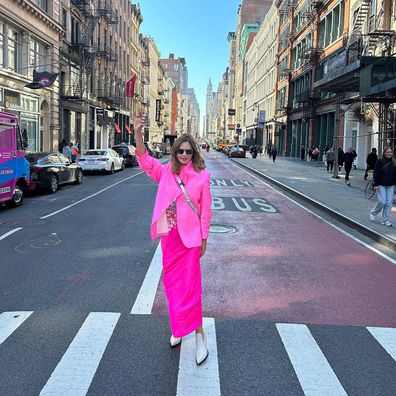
x=174, y=341
x=201, y=352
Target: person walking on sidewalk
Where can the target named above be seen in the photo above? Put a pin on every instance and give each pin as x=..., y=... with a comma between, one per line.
x=181, y=219
x=341, y=155
x=274, y=153
x=330, y=159
x=384, y=184
x=370, y=161
x=349, y=156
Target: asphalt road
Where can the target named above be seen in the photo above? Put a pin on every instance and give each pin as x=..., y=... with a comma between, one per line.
x=292, y=305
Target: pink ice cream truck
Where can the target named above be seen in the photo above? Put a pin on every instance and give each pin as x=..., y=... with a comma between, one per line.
x=14, y=168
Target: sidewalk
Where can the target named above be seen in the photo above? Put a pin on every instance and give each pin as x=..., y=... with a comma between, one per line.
x=310, y=181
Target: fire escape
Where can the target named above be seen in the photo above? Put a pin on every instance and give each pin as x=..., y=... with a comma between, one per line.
x=83, y=46
x=378, y=41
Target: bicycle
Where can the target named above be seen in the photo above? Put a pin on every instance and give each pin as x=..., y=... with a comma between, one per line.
x=369, y=191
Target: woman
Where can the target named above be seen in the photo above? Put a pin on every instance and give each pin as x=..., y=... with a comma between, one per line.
x=184, y=229
x=384, y=184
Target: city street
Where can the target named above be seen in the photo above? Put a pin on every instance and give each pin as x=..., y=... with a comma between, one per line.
x=292, y=304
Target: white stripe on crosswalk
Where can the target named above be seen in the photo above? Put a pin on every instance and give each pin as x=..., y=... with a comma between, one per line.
x=10, y=321
x=311, y=366
x=74, y=373
x=196, y=380
x=145, y=299
x=386, y=337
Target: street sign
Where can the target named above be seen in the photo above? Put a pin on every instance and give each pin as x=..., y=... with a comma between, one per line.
x=231, y=112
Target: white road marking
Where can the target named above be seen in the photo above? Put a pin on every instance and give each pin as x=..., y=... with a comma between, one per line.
x=90, y=196
x=390, y=259
x=386, y=336
x=145, y=298
x=204, y=379
x=10, y=321
x=74, y=373
x=4, y=236
x=311, y=366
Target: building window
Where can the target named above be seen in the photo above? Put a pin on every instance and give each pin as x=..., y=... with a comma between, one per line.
x=43, y=4
x=176, y=67
x=331, y=27
x=64, y=17
x=37, y=56
x=175, y=74
x=75, y=28
x=13, y=49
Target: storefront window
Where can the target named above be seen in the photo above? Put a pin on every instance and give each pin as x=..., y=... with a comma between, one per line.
x=73, y=127
x=31, y=125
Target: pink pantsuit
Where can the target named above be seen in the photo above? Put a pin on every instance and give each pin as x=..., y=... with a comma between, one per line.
x=181, y=243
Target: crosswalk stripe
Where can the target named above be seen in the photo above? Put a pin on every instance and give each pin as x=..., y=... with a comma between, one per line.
x=311, y=366
x=196, y=380
x=386, y=337
x=145, y=298
x=73, y=374
x=10, y=321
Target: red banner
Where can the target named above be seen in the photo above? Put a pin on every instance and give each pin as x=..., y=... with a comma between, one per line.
x=117, y=128
x=130, y=87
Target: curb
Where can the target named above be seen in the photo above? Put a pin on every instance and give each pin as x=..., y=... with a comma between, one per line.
x=380, y=238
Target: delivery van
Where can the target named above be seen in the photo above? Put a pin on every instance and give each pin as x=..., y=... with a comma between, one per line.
x=14, y=168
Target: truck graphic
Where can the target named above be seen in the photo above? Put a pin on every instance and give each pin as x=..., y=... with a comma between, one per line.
x=14, y=168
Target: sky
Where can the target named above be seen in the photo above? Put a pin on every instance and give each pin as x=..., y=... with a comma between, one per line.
x=194, y=30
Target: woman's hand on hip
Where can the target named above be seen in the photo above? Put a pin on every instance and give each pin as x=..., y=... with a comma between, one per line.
x=203, y=247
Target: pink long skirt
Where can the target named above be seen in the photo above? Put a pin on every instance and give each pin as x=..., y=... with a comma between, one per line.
x=182, y=281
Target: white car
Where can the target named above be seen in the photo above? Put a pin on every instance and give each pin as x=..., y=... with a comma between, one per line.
x=101, y=160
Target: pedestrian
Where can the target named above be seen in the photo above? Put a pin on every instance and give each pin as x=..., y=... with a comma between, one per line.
x=384, y=184
x=274, y=153
x=302, y=153
x=349, y=156
x=370, y=161
x=341, y=155
x=62, y=144
x=181, y=218
x=67, y=151
x=330, y=159
x=310, y=153
x=260, y=149
x=315, y=154
x=74, y=152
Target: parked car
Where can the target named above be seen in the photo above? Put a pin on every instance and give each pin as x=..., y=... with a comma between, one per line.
x=237, y=152
x=106, y=160
x=49, y=170
x=128, y=153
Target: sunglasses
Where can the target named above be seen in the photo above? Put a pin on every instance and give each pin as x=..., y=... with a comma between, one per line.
x=188, y=152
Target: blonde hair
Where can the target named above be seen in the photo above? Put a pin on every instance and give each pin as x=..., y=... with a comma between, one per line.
x=197, y=160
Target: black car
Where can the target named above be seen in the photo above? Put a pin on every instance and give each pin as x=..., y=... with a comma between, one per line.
x=128, y=153
x=49, y=170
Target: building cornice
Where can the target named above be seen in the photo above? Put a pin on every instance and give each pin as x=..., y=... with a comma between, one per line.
x=42, y=16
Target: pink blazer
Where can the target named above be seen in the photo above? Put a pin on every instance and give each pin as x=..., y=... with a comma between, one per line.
x=197, y=184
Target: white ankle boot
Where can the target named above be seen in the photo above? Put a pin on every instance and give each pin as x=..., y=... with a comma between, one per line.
x=174, y=341
x=202, y=350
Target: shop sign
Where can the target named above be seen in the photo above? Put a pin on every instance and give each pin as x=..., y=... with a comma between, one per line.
x=231, y=126
x=231, y=112
x=158, y=110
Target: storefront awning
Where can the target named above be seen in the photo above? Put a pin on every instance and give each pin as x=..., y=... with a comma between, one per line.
x=117, y=128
